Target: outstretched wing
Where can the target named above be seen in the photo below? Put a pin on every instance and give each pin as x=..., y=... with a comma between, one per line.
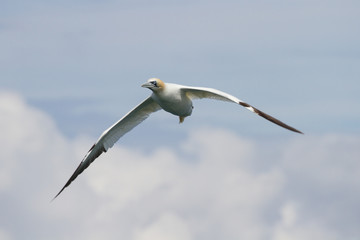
x=200, y=92
x=112, y=134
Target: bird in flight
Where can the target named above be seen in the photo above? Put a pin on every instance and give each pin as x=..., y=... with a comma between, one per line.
x=172, y=98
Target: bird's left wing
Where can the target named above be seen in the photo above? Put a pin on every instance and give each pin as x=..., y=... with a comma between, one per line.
x=200, y=92
x=112, y=134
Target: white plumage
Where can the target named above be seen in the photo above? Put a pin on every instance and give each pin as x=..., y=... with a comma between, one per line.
x=173, y=98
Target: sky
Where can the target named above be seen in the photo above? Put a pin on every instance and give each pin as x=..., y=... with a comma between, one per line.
x=70, y=69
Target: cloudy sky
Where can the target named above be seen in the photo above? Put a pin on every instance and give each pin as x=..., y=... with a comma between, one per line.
x=70, y=69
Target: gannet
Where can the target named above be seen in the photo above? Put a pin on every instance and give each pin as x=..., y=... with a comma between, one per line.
x=172, y=98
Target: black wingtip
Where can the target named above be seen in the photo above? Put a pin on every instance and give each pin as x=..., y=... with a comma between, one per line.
x=269, y=118
x=298, y=131
x=66, y=185
x=88, y=159
x=58, y=193
x=72, y=178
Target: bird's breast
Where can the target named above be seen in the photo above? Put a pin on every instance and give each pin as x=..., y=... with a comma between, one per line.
x=175, y=103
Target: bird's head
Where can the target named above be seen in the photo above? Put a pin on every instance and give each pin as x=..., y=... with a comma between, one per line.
x=154, y=84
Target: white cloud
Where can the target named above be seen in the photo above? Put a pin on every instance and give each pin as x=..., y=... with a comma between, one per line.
x=289, y=214
x=216, y=185
x=289, y=228
x=4, y=235
x=26, y=133
x=167, y=227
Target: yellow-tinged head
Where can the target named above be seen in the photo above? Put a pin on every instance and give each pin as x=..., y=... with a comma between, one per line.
x=154, y=84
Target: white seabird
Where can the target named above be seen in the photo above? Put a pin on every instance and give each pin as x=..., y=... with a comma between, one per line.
x=173, y=98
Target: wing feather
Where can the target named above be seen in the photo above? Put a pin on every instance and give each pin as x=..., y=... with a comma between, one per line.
x=200, y=92
x=128, y=122
x=114, y=133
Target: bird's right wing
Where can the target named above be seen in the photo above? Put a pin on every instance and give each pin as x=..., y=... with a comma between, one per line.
x=112, y=134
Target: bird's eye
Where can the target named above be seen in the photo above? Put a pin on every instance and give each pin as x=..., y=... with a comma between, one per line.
x=154, y=83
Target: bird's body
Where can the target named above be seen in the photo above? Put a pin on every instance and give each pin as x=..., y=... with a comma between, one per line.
x=173, y=98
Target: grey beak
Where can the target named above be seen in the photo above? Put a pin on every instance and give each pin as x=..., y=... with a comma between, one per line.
x=147, y=85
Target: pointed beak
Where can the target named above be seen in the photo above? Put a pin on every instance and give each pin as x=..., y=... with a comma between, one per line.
x=147, y=85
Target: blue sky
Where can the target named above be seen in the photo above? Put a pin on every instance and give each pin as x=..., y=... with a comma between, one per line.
x=77, y=60
x=68, y=70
